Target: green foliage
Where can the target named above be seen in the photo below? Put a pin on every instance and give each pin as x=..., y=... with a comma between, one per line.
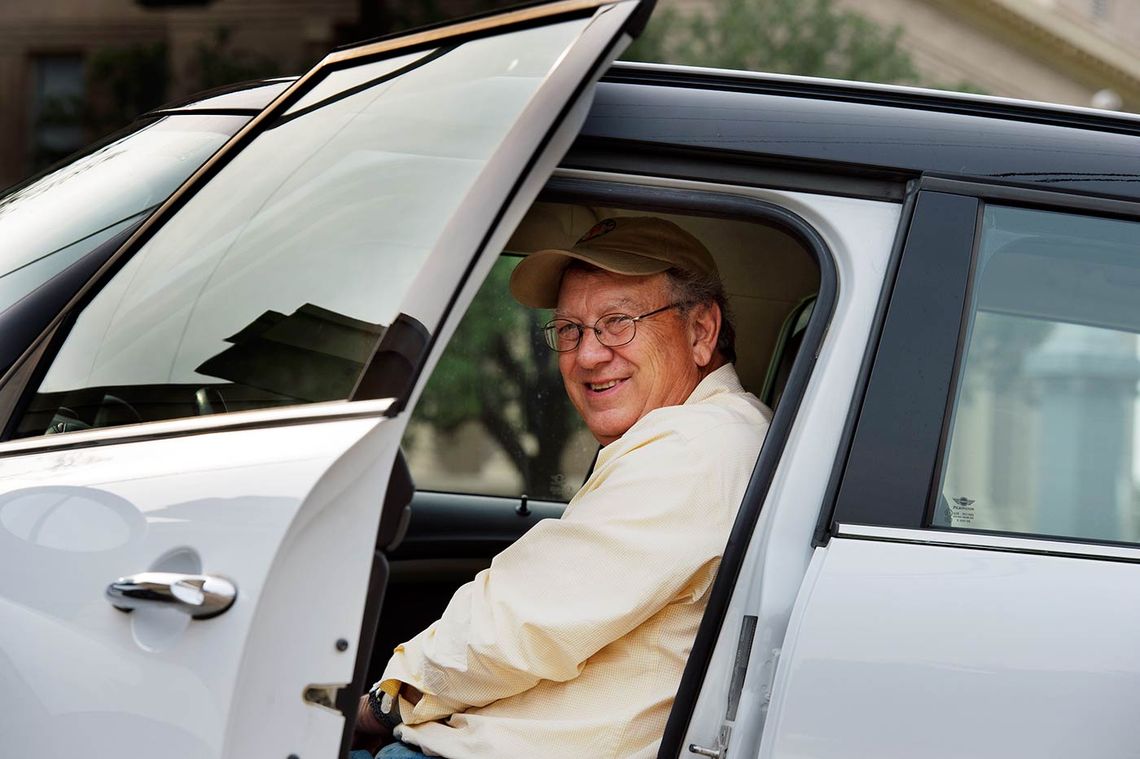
x=807, y=37
x=498, y=372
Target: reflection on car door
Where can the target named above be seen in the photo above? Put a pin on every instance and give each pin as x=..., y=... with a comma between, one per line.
x=221, y=407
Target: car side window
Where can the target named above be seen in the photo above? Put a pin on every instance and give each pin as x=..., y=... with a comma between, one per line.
x=1044, y=431
x=274, y=283
x=493, y=418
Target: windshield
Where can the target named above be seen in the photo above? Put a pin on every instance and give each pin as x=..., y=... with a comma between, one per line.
x=57, y=218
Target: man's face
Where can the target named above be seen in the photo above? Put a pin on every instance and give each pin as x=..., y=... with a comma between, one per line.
x=614, y=387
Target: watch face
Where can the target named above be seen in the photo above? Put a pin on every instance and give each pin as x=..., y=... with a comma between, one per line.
x=377, y=707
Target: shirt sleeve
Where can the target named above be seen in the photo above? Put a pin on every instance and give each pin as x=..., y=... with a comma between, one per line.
x=646, y=530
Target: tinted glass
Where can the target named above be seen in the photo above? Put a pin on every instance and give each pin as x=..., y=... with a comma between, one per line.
x=274, y=283
x=1045, y=434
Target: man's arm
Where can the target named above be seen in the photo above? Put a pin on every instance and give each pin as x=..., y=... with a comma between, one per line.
x=647, y=530
x=369, y=732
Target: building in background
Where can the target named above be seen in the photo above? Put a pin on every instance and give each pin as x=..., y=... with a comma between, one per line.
x=1078, y=52
x=72, y=70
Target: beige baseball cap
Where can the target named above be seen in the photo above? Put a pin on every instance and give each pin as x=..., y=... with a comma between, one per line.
x=635, y=245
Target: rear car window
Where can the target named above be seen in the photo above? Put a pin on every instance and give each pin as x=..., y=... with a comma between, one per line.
x=1044, y=435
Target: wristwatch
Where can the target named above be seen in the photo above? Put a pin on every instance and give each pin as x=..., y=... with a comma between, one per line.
x=385, y=708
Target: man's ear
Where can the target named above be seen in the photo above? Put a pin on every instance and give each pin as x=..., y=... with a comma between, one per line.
x=704, y=329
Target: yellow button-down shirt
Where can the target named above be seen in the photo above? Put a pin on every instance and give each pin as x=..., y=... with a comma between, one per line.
x=572, y=643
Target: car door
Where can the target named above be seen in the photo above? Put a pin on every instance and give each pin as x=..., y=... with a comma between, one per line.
x=206, y=435
x=975, y=591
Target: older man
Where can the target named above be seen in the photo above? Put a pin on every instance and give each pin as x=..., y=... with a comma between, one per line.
x=573, y=642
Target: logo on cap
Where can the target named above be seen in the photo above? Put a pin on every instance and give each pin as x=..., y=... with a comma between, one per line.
x=605, y=226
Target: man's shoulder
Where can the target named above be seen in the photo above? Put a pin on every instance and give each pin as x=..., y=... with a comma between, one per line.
x=722, y=419
x=738, y=413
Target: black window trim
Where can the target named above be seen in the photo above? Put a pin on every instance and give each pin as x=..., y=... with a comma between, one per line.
x=890, y=458
x=729, y=167
x=1026, y=197
x=843, y=449
x=855, y=517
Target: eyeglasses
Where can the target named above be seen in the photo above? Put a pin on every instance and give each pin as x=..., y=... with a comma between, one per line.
x=612, y=330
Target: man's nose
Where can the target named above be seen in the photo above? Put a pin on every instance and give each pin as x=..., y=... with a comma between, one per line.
x=591, y=352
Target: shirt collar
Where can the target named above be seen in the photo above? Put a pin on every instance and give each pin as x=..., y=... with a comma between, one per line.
x=721, y=380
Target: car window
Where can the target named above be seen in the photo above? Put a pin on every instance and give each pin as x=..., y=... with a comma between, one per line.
x=274, y=283
x=1044, y=434
x=493, y=418
x=55, y=219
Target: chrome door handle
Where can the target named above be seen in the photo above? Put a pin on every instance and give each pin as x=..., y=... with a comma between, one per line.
x=200, y=596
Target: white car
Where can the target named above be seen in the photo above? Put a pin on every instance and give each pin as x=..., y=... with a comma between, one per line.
x=293, y=407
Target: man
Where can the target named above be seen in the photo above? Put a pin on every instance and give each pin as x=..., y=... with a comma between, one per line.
x=573, y=642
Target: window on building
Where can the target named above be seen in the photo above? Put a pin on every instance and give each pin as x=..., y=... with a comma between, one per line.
x=57, y=95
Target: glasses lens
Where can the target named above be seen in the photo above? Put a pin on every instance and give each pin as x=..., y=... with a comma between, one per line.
x=562, y=335
x=616, y=329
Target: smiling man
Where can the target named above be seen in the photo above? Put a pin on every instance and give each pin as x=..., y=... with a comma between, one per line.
x=573, y=642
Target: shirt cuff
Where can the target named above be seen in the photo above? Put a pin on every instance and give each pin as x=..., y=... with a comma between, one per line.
x=428, y=709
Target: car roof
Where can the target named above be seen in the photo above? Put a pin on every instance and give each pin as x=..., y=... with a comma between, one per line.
x=868, y=129
x=860, y=129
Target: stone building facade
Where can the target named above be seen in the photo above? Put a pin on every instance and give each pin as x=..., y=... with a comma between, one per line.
x=1060, y=51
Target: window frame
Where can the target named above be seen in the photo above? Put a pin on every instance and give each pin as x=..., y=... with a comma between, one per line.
x=856, y=506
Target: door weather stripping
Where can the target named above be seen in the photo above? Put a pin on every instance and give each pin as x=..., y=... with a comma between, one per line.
x=322, y=695
x=736, y=687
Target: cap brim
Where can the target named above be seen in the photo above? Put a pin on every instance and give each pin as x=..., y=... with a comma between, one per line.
x=536, y=280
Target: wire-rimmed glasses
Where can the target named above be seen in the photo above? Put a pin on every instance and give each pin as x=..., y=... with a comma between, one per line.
x=612, y=330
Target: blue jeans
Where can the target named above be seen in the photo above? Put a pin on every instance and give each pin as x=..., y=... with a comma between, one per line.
x=391, y=751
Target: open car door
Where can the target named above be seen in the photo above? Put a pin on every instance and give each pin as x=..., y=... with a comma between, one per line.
x=196, y=452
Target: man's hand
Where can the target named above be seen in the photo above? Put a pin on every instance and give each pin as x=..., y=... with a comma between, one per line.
x=369, y=734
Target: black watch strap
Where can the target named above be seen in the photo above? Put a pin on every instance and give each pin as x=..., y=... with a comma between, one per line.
x=385, y=708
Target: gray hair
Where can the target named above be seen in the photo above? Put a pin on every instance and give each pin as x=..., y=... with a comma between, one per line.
x=694, y=289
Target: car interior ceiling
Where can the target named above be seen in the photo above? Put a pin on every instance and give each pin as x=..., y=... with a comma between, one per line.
x=771, y=281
